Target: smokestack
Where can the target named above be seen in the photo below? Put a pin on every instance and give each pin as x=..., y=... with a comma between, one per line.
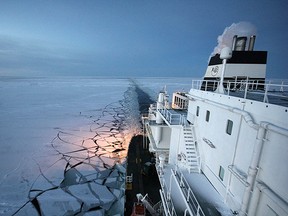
x=241, y=43
x=234, y=42
x=238, y=29
x=251, y=43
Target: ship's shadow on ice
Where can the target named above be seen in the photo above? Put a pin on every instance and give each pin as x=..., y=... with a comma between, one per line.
x=86, y=170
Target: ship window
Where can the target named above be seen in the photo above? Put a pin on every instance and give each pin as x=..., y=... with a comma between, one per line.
x=229, y=127
x=221, y=173
x=197, y=111
x=207, y=115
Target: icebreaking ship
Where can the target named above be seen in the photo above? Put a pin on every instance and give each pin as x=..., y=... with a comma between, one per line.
x=222, y=147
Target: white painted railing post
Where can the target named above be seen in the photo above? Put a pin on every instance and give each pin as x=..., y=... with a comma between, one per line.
x=198, y=210
x=246, y=88
x=185, y=213
x=228, y=88
x=265, y=95
x=181, y=181
x=170, y=187
x=188, y=193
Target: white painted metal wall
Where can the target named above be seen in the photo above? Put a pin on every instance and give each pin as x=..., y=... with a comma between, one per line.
x=237, y=149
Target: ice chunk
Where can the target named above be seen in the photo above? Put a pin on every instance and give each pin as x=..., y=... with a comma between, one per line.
x=72, y=176
x=117, y=193
x=89, y=178
x=28, y=209
x=104, y=195
x=41, y=184
x=112, y=182
x=99, y=212
x=55, y=173
x=83, y=192
x=58, y=202
x=117, y=208
x=89, y=143
x=120, y=168
x=109, y=161
x=104, y=174
x=114, y=173
x=85, y=169
x=99, y=181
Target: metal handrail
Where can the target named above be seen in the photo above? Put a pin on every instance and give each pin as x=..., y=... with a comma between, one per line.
x=187, y=191
x=246, y=88
x=168, y=205
x=165, y=196
x=173, y=118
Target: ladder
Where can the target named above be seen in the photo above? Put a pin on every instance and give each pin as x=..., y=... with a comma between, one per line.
x=192, y=157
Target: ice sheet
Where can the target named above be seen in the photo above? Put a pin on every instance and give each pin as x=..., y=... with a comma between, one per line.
x=58, y=135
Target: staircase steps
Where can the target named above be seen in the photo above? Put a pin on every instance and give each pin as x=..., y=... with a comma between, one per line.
x=192, y=158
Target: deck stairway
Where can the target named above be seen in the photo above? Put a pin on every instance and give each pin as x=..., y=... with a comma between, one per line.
x=191, y=151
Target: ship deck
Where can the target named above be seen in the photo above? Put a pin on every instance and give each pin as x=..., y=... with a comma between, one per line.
x=270, y=92
x=274, y=97
x=144, y=181
x=206, y=195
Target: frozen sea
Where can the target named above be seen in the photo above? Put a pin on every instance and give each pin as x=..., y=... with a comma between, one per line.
x=63, y=142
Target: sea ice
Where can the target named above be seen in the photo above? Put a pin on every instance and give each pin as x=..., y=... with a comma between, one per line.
x=58, y=134
x=84, y=193
x=104, y=195
x=58, y=202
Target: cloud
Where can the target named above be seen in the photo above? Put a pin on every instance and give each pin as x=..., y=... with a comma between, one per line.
x=19, y=57
x=22, y=57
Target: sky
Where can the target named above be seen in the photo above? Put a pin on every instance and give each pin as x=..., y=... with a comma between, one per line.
x=132, y=38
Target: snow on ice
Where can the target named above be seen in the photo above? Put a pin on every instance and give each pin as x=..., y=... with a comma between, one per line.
x=64, y=141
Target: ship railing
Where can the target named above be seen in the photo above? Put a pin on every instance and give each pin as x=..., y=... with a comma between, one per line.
x=188, y=193
x=159, y=207
x=172, y=117
x=270, y=91
x=167, y=204
x=165, y=194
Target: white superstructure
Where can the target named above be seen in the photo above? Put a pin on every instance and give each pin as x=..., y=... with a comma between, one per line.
x=224, y=152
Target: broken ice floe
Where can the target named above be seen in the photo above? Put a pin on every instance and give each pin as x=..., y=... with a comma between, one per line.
x=85, y=172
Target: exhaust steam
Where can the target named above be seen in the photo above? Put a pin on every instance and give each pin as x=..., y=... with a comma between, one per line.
x=241, y=29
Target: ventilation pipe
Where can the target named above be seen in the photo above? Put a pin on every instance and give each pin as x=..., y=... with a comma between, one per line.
x=251, y=43
x=159, y=120
x=160, y=105
x=240, y=43
x=234, y=42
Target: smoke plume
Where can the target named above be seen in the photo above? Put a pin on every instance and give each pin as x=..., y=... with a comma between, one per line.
x=240, y=29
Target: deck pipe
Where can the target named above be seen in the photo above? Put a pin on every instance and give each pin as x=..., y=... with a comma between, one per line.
x=262, y=188
x=159, y=120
